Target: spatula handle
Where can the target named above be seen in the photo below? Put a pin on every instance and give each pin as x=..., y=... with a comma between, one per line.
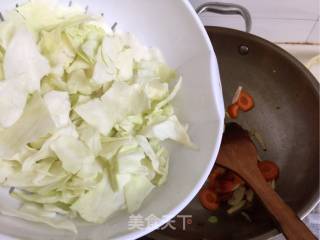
x=292, y=227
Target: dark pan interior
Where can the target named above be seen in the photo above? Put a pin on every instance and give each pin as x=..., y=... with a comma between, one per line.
x=287, y=118
x=287, y=108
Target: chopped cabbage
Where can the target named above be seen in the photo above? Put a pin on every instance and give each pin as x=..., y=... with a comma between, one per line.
x=99, y=203
x=169, y=129
x=84, y=112
x=72, y=153
x=143, y=142
x=59, y=106
x=137, y=189
x=119, y=101
x=34, y=123
x=22, y=57
x=24, y=68
x=13, y=98
x=91, y=138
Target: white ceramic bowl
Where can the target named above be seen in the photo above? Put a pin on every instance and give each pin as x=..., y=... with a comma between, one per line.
x=174, y=27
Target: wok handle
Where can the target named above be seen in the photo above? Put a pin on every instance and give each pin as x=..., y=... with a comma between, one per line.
x=227, y=9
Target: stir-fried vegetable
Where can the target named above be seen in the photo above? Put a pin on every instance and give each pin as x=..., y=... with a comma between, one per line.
x=213, y=219
x=84, y=111
x=245, y=101
x=242, y=100
x=209, y=199
x=225, y=187
x=233, y=110
x=269, y=170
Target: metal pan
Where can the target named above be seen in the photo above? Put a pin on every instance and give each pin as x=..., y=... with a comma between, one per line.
x=286, y=116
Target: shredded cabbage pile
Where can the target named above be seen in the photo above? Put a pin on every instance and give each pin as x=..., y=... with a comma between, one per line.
x=84, y=111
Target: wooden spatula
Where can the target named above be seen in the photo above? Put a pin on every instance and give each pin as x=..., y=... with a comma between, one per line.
x=239, y=154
